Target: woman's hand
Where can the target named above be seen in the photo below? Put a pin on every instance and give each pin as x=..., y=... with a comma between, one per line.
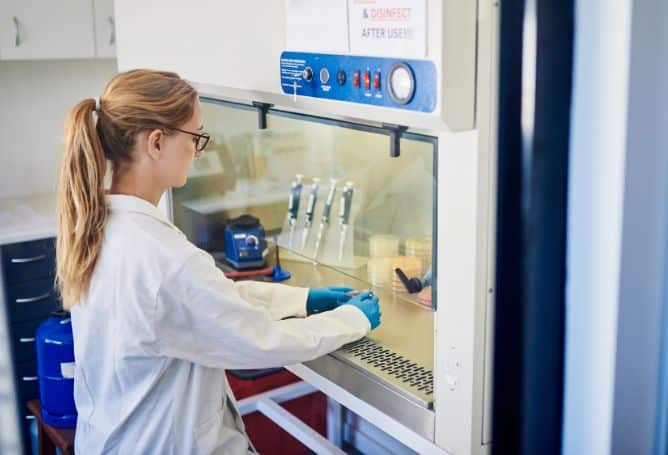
x=327, y=298
x=367, y=302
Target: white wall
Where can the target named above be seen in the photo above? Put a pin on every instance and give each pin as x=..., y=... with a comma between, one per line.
x=34, y=99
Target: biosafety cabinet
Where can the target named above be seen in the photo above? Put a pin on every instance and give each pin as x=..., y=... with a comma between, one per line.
x=361, y=134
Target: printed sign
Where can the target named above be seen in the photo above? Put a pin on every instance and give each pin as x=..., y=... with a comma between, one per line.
x=392, y=28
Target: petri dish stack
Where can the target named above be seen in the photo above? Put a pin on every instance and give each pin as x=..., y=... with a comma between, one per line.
x=379, y=271
x=382, y=248
x=384, y=258
x=421, y=248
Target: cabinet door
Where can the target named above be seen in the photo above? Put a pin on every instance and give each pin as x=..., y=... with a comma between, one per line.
x=105, y=28
x=44, y=29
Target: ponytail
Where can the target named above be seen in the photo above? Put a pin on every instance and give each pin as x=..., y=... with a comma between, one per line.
x=81, y=206
x=132, y=102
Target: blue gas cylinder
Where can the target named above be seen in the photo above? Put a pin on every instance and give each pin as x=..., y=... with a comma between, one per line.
x=55, y=369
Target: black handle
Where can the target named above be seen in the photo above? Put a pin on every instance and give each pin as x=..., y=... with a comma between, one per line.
x=395, y=132
x=262, y=109
x=412, y=285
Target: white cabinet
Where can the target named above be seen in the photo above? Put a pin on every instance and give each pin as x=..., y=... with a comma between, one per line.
x=105, y=28
x=65, y=29
x=33, y=29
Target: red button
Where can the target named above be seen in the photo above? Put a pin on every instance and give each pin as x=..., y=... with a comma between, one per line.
x=376, y=80
x=356, y=79
x=367, y=79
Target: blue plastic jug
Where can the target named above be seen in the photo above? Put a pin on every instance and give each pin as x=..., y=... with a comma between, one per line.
x=55, y=369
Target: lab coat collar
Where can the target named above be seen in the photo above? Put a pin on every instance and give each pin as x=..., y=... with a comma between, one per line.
x=127, y=203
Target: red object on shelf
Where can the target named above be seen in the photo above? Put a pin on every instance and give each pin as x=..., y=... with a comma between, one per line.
x=267, y=437
x=249, y=273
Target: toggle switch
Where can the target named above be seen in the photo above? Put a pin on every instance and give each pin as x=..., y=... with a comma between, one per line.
x=376, y=80
x=367, y=79
x=451, y=381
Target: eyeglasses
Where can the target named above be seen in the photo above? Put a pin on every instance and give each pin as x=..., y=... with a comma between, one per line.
x=201, y=140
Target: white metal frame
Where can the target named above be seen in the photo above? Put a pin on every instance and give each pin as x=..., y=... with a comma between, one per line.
x=366, y=411
x=267, y=403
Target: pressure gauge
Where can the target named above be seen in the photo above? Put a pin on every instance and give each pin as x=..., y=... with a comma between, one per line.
x=324, y=75
x=401, y=83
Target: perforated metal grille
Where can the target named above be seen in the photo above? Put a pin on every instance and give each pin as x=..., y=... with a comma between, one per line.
x=393, y=364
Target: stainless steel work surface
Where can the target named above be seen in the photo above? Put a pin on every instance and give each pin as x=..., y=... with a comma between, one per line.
x=368, y=389
x=399, y=353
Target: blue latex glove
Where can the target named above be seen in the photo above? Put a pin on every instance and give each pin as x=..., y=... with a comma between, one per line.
x=325, y=299
x=368, y=303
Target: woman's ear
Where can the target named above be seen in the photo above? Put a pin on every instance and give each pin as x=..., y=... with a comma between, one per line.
x=154, y=143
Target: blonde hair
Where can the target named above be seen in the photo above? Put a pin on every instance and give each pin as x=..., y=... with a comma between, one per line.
x=132, y=102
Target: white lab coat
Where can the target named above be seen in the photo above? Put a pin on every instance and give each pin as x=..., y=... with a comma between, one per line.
x=159, y=325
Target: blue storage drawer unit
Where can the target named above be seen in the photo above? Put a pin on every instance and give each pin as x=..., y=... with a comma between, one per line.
x=31, y=300
x=28, y=274
x=28, y=261
x=23, y=339
x=26, y=381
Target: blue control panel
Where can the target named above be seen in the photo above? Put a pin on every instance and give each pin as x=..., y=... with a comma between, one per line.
x=387, y=82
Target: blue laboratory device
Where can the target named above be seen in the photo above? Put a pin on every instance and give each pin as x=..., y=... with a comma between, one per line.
x=245, y=243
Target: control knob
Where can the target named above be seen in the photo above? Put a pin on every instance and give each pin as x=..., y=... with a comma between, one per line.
x=307, y=74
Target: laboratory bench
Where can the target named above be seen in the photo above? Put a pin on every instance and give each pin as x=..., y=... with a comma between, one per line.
x=27, y=218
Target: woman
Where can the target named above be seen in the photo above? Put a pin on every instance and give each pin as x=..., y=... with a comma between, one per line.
x=155, y=322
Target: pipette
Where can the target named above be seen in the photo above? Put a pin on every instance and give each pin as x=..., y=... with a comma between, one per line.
x=324, y=219
x=293, y=206
x=310, y=208
x=344, y=216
